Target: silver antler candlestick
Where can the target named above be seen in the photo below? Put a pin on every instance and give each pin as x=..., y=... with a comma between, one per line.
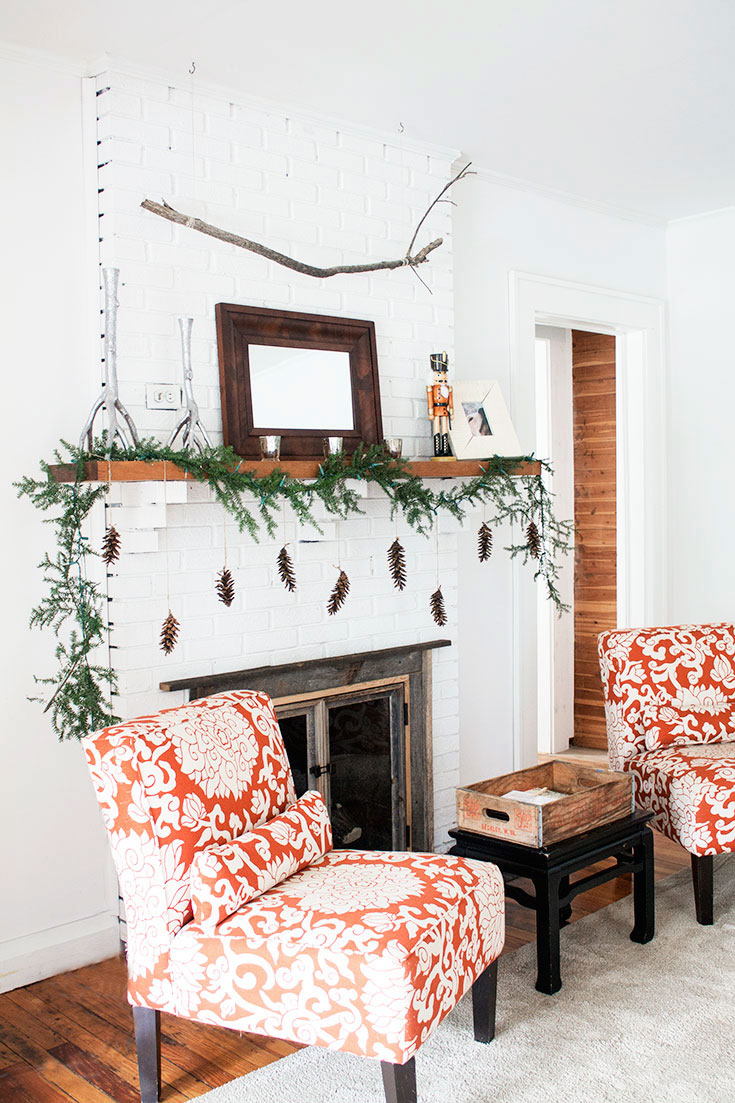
x=109, y=400
x=189, y=425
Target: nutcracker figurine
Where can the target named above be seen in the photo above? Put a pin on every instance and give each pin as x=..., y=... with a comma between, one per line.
x=439, y=402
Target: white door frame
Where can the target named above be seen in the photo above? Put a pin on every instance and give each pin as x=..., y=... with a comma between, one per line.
x=639, y=326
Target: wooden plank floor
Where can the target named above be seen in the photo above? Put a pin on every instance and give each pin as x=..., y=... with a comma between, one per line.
x=70, y=1037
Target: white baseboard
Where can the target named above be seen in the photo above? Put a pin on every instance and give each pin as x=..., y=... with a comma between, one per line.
x=44, y=954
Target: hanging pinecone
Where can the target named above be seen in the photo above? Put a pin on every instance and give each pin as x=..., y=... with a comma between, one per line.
x=111, y=545
x=533, y=540
x=285, y=569
x=225, y=587
x=438, y=611
x=484, y=542
x=397, y=564
x=169, y=633
x=339, y=594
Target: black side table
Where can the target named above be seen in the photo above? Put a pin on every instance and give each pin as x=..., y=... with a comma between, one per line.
x=629, y=841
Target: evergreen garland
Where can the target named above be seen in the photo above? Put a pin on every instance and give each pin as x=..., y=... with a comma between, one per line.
x=73, y=606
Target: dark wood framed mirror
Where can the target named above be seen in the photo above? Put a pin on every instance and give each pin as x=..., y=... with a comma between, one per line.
x=302, y=376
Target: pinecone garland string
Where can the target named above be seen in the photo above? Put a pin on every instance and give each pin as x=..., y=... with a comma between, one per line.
x=111, y=545
x=533, y=540
x=225, y=587
x=339, y=594
x=438, y=611
x=169, y=633
x=484, y=542
x=397, y=564
x=285, y=569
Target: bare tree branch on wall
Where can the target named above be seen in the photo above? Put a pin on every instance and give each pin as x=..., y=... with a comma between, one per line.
x=410, y=260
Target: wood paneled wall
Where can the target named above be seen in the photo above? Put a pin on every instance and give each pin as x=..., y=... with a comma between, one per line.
x=595, y=566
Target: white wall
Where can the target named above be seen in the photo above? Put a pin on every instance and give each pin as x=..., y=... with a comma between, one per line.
x=701, y=266
x=497, y=230
x=54, y=868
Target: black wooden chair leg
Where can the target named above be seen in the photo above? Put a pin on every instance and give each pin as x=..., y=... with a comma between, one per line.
x=399, y=1081
x=703, y=876
x=484, y=999
x=148, y=1049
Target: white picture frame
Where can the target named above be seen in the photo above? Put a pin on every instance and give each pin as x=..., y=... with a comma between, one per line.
x=481, y=425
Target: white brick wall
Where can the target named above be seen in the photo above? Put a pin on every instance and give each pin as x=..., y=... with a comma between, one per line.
x=327, y=196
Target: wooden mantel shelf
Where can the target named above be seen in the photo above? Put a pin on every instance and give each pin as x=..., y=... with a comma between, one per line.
x=140, y=471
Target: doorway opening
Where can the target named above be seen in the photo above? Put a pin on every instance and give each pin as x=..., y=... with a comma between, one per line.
x=638, y=326
x=576, y=425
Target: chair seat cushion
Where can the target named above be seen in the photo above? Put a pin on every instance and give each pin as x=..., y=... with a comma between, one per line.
x=691, y=791
x=225, y=877
x=364, y=951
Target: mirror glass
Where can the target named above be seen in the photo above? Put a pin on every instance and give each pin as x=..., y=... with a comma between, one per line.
x=294, y=388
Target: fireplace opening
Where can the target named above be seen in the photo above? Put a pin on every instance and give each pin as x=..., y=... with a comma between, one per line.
x=357, y=727
x=353, y=747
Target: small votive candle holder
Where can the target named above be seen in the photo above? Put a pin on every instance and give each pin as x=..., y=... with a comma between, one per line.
x=270, y=448
x=394, y=447
x=332, y=446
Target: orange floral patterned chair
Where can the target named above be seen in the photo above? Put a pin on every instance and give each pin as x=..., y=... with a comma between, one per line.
x=361, y=951
x=670, y=709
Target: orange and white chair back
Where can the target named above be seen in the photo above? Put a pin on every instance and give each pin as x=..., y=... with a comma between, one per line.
x=240, y=914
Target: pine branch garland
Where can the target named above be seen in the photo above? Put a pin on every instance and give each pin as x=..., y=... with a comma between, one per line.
x=338, y=596
x=225, y=587
x=79, y=693
x=111, y=544
x=285, y=569
x=484, y=542
x=169, y=633
x=438, y=611
x=533, y=540
x=397, y=564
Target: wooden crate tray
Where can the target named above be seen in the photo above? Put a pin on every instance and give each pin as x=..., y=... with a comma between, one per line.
x=593, y=798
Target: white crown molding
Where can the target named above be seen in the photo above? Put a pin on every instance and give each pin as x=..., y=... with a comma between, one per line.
x=29, y=56
x=114, y=63
x=570, y=198
x=718, y=212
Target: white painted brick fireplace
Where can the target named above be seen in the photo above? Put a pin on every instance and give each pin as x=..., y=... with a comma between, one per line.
x=327, y=195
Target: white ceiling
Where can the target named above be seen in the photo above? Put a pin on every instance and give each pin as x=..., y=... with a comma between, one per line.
x=627, y=102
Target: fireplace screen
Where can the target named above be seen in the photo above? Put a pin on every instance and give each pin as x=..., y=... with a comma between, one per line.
x=360, y=776
x=352, y=747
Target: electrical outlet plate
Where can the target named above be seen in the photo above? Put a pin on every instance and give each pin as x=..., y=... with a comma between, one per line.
x=162, y=396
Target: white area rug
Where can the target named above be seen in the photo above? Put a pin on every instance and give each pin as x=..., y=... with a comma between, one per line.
x=632, y=1024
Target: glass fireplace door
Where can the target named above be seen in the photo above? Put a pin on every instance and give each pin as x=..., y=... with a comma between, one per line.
x=352, y=747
